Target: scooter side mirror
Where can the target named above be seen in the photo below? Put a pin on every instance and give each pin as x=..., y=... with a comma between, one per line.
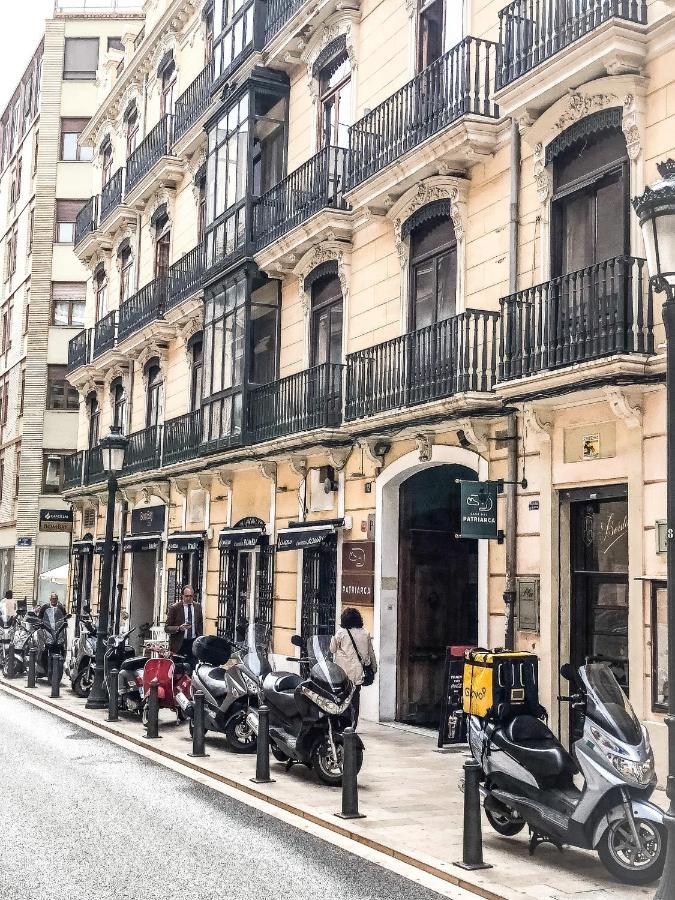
x=297, y=641
x=567, y=672
x=86, y=609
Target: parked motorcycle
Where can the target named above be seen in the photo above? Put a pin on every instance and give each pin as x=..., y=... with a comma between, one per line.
x=309, y=715
x=80, y=667
x=229, y=674
x=121, y=656
x=528, y=779
x=49, y=642
x=173, y=678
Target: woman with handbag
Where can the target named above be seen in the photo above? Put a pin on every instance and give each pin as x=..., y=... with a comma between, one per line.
x=352, y=648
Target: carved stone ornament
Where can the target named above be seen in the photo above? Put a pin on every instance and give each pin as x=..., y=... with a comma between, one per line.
x=630, y=126
x=161, y=490
x=189, y=329
x=543, y=177
x=89, y=387
x=411, y=8
x=437, y=187
x=339, y=456
x=161, y=197
x=625, y=411
x=538, y=423
x=195, y=164
x=580, y=104
x=298, y=465
x=326, y=251
x=166, y=45
x=475, y=431
x=425, y=443
x=344, y=22
x=149, y=352
x=268, y=469
x=112, y=374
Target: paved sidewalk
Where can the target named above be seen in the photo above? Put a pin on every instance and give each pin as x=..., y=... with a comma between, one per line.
x=410, y=795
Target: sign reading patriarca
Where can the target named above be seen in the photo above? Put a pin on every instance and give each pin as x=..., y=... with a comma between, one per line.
x=479, y=509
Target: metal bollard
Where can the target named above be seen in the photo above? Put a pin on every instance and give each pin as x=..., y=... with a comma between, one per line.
x=113, y=711
x=262, y=757
x=350, y=788
x=56, y=675
x=198, y=727
x=32, y=661
x=472, y=840
x=10, y=671
x=152, y=728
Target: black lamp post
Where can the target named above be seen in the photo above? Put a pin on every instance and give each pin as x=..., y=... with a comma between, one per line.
x=656, y=211
x=113, y=447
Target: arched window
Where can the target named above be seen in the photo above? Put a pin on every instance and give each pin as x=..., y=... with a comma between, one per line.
x=106, y=161
x=131, y=128
x=94, y=420
x=155, y=396
x=433, y=272
x=168, y=87
x=335, y=101
x=119, y=404
x=196, y=347
x=162, y=226
x=101, y=292
x=326, y=321
x=126, y=262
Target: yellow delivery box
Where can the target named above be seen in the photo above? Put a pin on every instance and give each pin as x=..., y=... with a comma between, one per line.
x=500, y=683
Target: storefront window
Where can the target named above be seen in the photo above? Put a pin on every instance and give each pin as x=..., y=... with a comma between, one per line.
x=659, y=646
x=52, y=573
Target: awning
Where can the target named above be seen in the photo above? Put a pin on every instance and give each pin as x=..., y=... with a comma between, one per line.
x=81, y=548
x=185, y=541
x=141, y=543
x=99, y=544
x=59, y=574
x=304, y=537
x=240, y=538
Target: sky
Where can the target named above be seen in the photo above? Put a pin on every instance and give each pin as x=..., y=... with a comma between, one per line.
x=18, y=40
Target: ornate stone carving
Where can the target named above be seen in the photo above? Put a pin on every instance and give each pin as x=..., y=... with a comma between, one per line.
x=195, y=164
x=161, y=351
x=90, y=386
x=630, y=125
x=326, y=251
x=620, y=403
x=580, y=105
x=189, y=328
x=268, y=469
x=438, y=187
x=538, y=423
x=339, y=456
x=114, y=372
x=542, y=175
x=343, y=22
x=298, y=465
x=425, y=443
x=476, y=433
x=376, y=448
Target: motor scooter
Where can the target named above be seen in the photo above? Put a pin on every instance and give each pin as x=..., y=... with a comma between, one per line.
x=121, y=656
x=80, y=668
x=528, y=779
x=49, y=642
x=173, y=677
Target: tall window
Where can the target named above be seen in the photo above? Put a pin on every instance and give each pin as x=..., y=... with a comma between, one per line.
x=168, y=88
x=201, y=208
x=119, y=404
x=233, y=32
x=80, y=59
x=106, y=162
x=208, y=37
x=197, y=368
x=429, y=32
x=433, y=272
x=269, y=142
x=326, y=322
x=70, y=133
x=335, y=101
x=68, y=301
x=66, y=213
x=126, y=262
x=52, y=473
x=94, y=420
x=101, y=292
x=60, y=394
x=162, y=246
x=155, y=398
x=131, y=124
x=263, y=331
x=10, y=252
x=7, y=326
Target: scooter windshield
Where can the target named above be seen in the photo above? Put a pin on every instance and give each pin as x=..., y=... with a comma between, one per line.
x=256, y=657
x=607, y=705
x=323, y=669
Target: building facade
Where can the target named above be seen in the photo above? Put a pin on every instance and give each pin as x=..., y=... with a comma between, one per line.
x=346, y=256
x=44, y=179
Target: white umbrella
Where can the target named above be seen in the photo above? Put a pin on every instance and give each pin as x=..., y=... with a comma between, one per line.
x=59, y=574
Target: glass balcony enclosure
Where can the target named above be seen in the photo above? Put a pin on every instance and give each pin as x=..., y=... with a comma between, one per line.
x=238, y=29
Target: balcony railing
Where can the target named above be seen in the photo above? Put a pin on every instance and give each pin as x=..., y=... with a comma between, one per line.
x=93, y=466
x=79, y=348
x=598, y=311
x=143, y=307
x=105, y=333
x=144, y=450
x=72, y=470
x=531, y=31
x=193, y=102
x=152, y=148
x=300, y=402
x=453, y=356
x=111, y=195
x=85, y=222
x=457, y=83
x=182, y=437
x=185, y=275
x=318, y=183
x=278, y=13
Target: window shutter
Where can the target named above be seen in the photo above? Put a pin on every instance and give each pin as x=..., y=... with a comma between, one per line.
x=73, y=126
x=67, y=210
x=81, y=57
x=63, y=290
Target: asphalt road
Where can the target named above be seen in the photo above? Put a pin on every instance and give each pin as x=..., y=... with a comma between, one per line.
x=83, y=819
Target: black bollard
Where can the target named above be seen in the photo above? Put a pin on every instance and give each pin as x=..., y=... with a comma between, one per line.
x=113, y=711
x=262, y=757
x=472, y=840
x=32, y=659
x=350, y=771
x=10, y=671
x=56, y=675
x=198, y=726
x=152, y=728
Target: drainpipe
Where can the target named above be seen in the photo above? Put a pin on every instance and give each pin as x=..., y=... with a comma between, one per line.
x=511, y=539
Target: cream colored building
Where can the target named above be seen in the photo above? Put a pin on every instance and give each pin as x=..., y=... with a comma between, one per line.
x=44, y=179
x=345, y=255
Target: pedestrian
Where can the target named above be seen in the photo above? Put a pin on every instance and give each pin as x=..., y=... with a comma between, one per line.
x=184, y=623
x=352, y=648
x=53, y=613
x=8, y=606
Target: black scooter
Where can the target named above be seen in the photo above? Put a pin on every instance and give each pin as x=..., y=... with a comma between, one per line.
x=309, y=715
x=49, y=642
x=119, y=655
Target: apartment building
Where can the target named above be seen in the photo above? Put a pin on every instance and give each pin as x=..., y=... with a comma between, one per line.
x=345, y=256
x=44, y=179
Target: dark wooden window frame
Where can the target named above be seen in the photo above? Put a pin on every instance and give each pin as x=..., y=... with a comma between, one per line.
x=415, y=261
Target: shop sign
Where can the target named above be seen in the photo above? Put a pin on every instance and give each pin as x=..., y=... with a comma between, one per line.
x=478, y=508
x=56, y=520
x=358, y=556
x=148, y=520
x=358, y=572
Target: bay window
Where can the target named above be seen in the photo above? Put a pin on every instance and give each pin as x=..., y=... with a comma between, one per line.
x=233, y=32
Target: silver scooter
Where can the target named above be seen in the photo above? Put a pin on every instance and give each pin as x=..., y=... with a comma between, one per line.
x=528, y=779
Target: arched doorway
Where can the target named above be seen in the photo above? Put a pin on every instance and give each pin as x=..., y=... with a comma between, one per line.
x=437, y=589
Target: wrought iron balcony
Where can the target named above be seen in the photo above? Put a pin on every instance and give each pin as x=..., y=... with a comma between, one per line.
x=185, y=275
x=153, y=147
x=72, y=470
x=143, y=307
x=317, y=184
x=111, y=195
x=79, y=350
x=86, y=220
x=278, y=13
x=182, y=438
x=450, y=357
x=93, y=466
x=105, y=334
x=192, y=103
x=301, y=402
x=456, y=84
x=599, y=311
x=144, y=450
x=531, y=31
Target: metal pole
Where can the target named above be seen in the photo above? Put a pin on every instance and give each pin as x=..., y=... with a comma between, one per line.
x=666, y=888
x=56, y=675
x=113, y=711
x=32, y=658
x=472, y=839
x=152, y=728
x=198, y=729
x=350, y=787
x=11, y=661
x=98, y=698
x=262, y=759
x=511, y=540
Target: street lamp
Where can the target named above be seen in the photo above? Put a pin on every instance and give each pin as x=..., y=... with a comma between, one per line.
x=113, y=447
x=656, y=211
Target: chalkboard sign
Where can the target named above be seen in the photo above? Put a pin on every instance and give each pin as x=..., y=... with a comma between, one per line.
x=452, y=726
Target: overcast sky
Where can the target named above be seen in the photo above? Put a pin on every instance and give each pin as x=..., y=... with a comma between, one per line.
x=24, y=22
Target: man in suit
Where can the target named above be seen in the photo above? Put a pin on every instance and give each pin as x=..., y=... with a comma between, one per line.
x=184, y=623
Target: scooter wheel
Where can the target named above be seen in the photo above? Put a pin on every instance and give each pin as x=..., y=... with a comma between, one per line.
x=82, y=684
x=617, y=851
x=326, y=766
x=504, y=824
x=238, y=734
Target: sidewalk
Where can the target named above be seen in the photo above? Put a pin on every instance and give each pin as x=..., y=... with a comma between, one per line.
x=410, y=795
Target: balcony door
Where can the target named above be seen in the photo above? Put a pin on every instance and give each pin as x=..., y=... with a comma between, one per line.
x=162, y=254
x=155, y=397
x=335, y=102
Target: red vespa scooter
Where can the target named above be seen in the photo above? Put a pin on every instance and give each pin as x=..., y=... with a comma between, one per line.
x=173, y=675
